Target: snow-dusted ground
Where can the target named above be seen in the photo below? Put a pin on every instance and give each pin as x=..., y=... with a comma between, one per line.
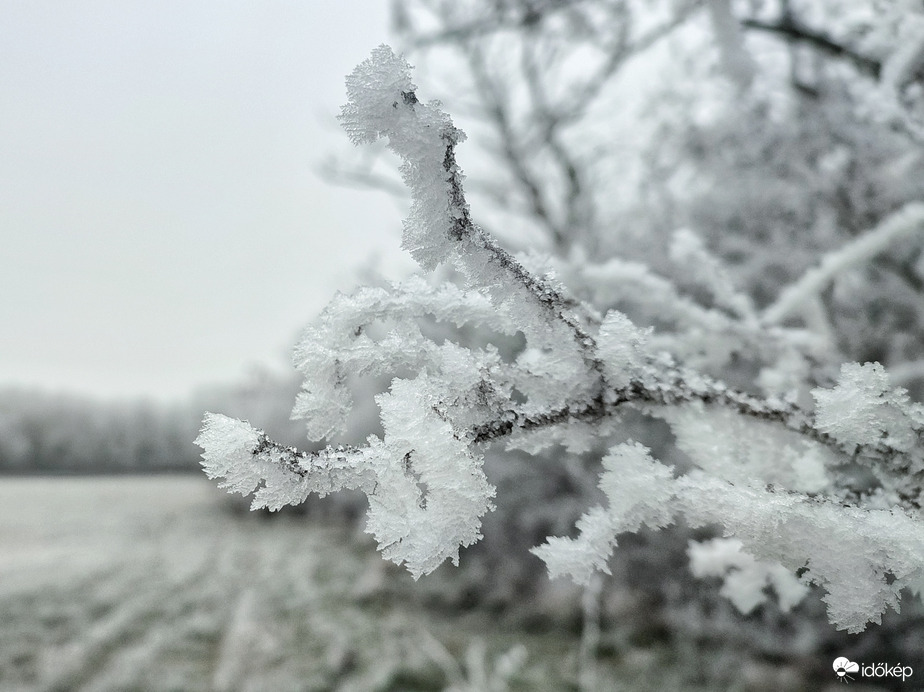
x=152, y=584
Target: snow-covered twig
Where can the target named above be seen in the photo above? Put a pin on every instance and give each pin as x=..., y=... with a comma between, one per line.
x=907, y=221
x=767, y=470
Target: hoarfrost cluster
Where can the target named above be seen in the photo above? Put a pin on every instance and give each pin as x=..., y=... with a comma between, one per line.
x=822, y=489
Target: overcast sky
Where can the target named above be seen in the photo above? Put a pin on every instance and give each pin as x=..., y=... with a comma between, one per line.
x=162, y=222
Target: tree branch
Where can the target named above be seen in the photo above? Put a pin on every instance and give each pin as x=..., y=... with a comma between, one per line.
x=510, y=147
x=671, y=391
x=794, y=30
x=905, y=222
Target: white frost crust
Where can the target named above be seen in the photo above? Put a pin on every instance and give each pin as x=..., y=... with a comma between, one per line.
x=337, y=346
x=383, y=103
x=863, y=558
x=426, y=489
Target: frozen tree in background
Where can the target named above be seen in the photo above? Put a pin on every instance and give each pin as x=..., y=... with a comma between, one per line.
x=822, y=490
x=777, y=130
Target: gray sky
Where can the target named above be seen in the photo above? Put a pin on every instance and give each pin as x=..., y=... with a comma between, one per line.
x=162, y=224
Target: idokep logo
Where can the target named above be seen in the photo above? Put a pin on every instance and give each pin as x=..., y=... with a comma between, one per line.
x=845, y=669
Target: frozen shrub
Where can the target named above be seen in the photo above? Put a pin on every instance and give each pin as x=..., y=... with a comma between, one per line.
x=829, y=497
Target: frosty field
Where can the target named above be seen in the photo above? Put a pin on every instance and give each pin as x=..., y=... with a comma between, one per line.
x=150, y=583
x=153, y=584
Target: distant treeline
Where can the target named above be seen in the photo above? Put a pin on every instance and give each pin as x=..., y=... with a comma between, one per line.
x=44, y=433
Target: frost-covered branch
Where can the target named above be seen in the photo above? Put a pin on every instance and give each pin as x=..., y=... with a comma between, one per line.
x=863, y=558
x=907, y=222
x=777, y=475
x=250, y=462
x=560, y=59
x=383, y=103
